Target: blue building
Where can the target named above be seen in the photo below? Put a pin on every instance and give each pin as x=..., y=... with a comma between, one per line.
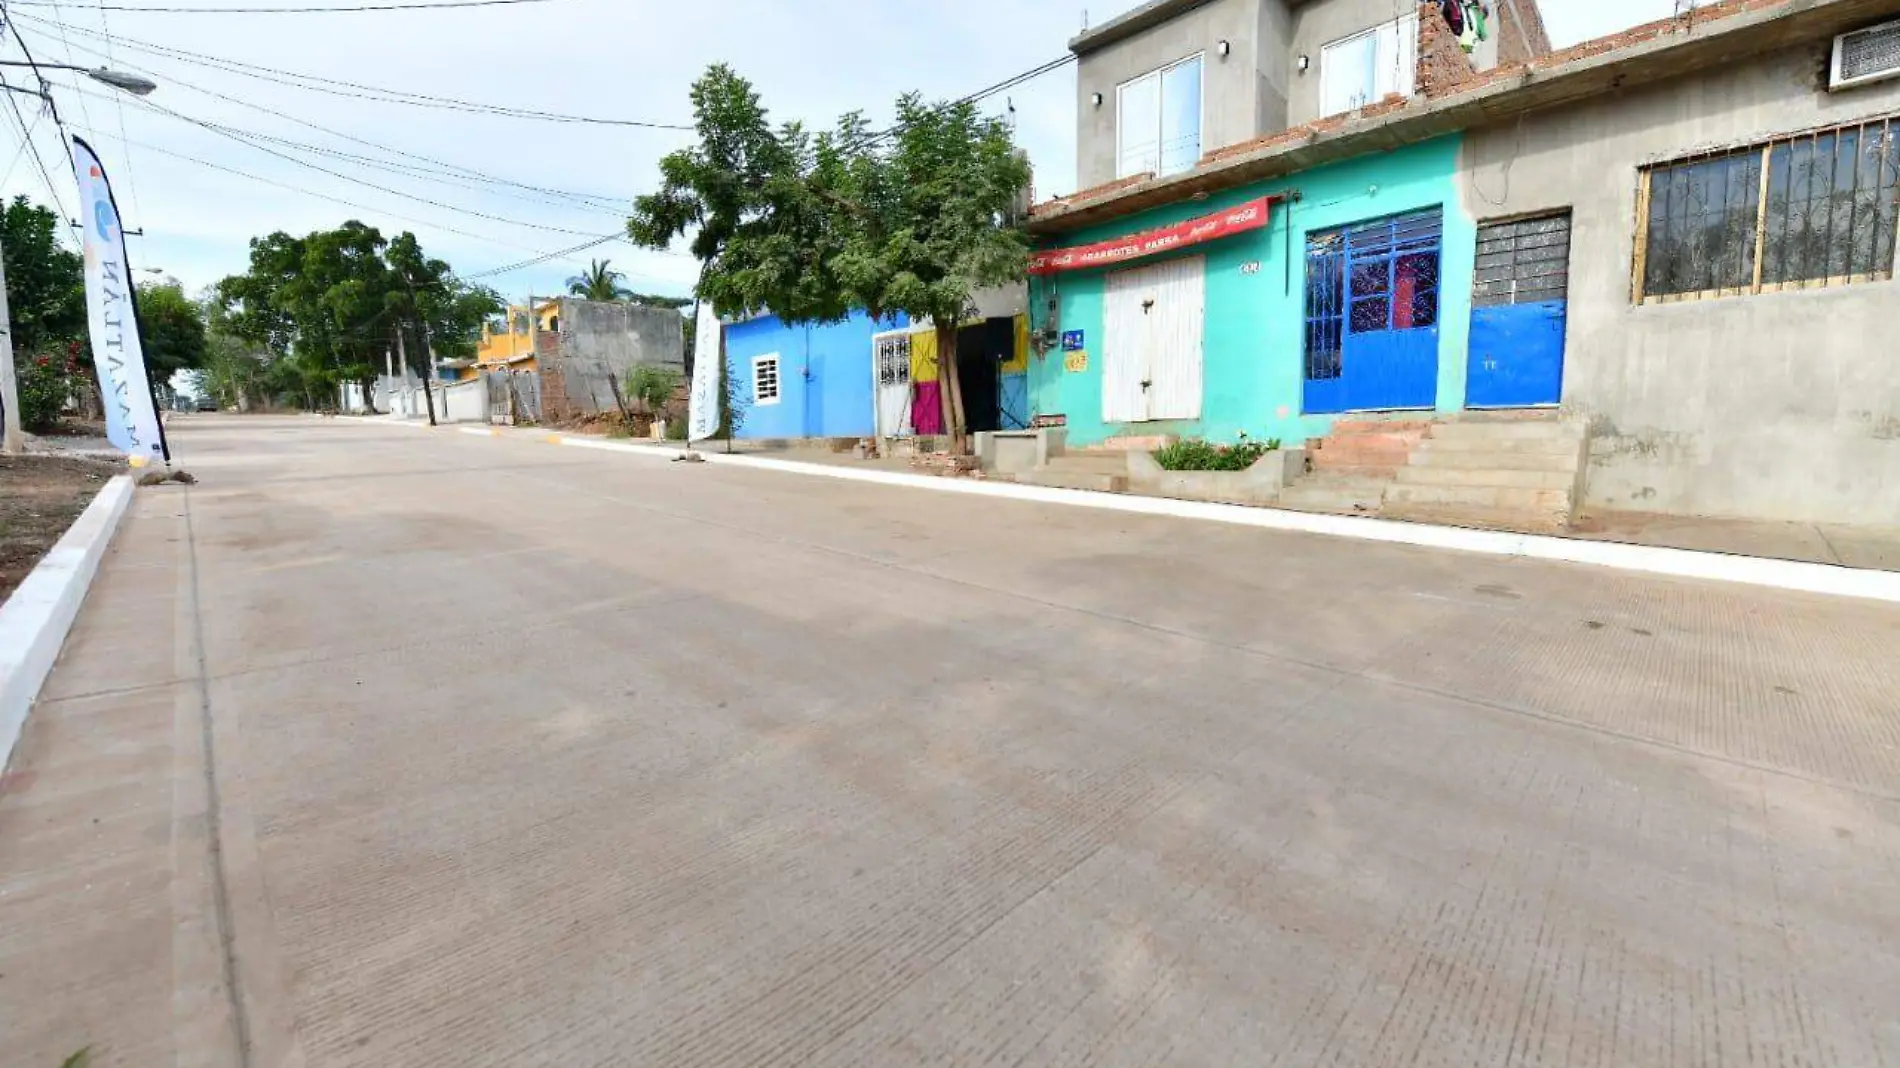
x=811, y=381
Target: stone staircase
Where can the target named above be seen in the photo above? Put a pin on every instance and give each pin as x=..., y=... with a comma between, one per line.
x=1103, y=470
x=1517, y=470
x=1352, y=466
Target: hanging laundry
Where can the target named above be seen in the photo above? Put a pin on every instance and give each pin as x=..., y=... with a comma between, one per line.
x=1474, y=25
x=1454, y=11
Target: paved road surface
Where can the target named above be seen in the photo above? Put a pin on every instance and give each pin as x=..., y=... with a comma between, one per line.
x=532, y=756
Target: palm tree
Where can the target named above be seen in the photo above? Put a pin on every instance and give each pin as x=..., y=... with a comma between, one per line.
x=600, y=282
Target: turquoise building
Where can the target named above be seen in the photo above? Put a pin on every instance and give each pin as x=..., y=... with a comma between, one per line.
x=1355, y=296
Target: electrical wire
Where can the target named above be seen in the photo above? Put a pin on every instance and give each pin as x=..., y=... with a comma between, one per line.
x=428, y=5
x=118, y=107
x=313, y=193
x=26, y=136
x=591, y=201
x=360, y=91
x=541, y=259
x=45, y=174
x=460, y=210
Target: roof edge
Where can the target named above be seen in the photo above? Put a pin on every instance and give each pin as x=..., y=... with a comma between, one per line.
x=1663, y=50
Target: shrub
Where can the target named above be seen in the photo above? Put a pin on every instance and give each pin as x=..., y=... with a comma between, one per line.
x=46, y=386
x=1194, y=454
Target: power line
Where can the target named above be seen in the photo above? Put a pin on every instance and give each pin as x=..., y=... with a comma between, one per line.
x=45, y=175
x=538, y=260
x=585, y=200
x=308, y=192
x=432, y=5
x=26, y=137
x=361, y=91
x=118, y=107
x=243, y=139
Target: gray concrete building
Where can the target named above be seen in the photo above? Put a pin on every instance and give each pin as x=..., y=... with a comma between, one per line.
x=1172, y=80
x=1760, y=387
x=1672, y=248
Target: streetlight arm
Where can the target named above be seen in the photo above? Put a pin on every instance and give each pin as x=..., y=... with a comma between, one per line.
x=131, y=83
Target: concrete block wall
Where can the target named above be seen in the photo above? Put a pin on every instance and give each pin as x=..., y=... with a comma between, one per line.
x=1771, y=406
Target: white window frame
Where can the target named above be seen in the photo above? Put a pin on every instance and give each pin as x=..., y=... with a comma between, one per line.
x=778, y=379
x=1404, y=28
x=1160, y=114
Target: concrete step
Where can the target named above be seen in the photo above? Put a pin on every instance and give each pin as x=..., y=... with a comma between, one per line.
x=1095, y=463
x=1508, y=430
x=1349, y=426
x=1330, y=492
x=1533, y=502
x=1499, y=477
x=1519, y=456
x=1101, y=482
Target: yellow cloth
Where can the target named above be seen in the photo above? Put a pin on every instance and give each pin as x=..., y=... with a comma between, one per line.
x=923, y=356
x=1018, y=362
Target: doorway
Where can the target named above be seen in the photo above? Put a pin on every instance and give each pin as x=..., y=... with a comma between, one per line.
x=1519, y=312
x=1372, y=315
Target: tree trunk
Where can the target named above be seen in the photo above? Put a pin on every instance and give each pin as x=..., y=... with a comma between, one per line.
x=950, y=389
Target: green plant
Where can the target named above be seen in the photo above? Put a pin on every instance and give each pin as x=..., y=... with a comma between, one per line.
x=46, y=385
x=654, y=386
x=676, y=429
x=1193, y=454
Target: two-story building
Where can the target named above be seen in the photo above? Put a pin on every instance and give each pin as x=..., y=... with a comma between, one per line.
x=508, y=342
x=1677, y=243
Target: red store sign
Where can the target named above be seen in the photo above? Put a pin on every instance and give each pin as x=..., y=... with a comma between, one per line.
x=1236, y=220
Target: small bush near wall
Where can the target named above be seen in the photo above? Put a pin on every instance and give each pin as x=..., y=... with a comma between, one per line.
x=1197, y=455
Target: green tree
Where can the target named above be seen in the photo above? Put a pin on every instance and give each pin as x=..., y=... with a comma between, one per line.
x=328, y=306
x=599, y=282
x=927, y=222
x=807, y=228
x=172, y=327
x=760, y=235
x=46, y=283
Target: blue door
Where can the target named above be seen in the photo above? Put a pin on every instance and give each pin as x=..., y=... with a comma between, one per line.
x=1372, y=315
x=1518, y=302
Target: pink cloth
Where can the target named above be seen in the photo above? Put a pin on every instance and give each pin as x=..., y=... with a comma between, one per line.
x=926, y=407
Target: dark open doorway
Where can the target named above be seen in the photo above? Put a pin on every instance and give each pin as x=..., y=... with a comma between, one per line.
x=982, y=349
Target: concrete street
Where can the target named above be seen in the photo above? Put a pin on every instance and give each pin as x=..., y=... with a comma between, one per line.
x=467, y=752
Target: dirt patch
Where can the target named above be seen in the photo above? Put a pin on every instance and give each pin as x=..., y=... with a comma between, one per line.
x=40, y=496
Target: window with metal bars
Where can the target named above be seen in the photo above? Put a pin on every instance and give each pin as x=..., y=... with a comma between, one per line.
x=765, y=379
x=1818, y=209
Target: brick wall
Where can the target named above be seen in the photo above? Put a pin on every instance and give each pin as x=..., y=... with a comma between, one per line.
x=1442, y=61
x=1519, y=29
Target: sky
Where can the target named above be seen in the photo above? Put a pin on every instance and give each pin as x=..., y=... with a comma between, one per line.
x=629, y=60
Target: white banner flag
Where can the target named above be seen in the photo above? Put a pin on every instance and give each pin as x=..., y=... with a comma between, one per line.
x=702, y=412
x=131, y=417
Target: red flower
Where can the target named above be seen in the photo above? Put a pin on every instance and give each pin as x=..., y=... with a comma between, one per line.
x=42, y=361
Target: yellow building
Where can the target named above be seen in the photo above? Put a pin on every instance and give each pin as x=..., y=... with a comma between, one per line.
x=506, y=343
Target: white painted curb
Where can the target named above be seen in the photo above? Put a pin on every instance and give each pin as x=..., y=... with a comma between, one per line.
x=34, y=621
x=1830, y=579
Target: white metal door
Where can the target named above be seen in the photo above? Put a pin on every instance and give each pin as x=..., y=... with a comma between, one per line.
x=1124, y=349
x=890, y=367
x=1151, y=354
x=1175, y=328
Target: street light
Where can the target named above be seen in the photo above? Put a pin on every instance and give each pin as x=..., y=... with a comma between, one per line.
x=12, y=434
x=117, y=79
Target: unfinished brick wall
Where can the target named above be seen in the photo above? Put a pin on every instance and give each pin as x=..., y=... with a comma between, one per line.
x=1519, y=29
x=1442, y=62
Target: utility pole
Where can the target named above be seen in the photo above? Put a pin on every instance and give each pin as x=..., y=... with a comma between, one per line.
x=428, y=395
x=13, y=442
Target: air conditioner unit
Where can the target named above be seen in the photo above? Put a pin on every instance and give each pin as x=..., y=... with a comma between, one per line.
x=1863, y=56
